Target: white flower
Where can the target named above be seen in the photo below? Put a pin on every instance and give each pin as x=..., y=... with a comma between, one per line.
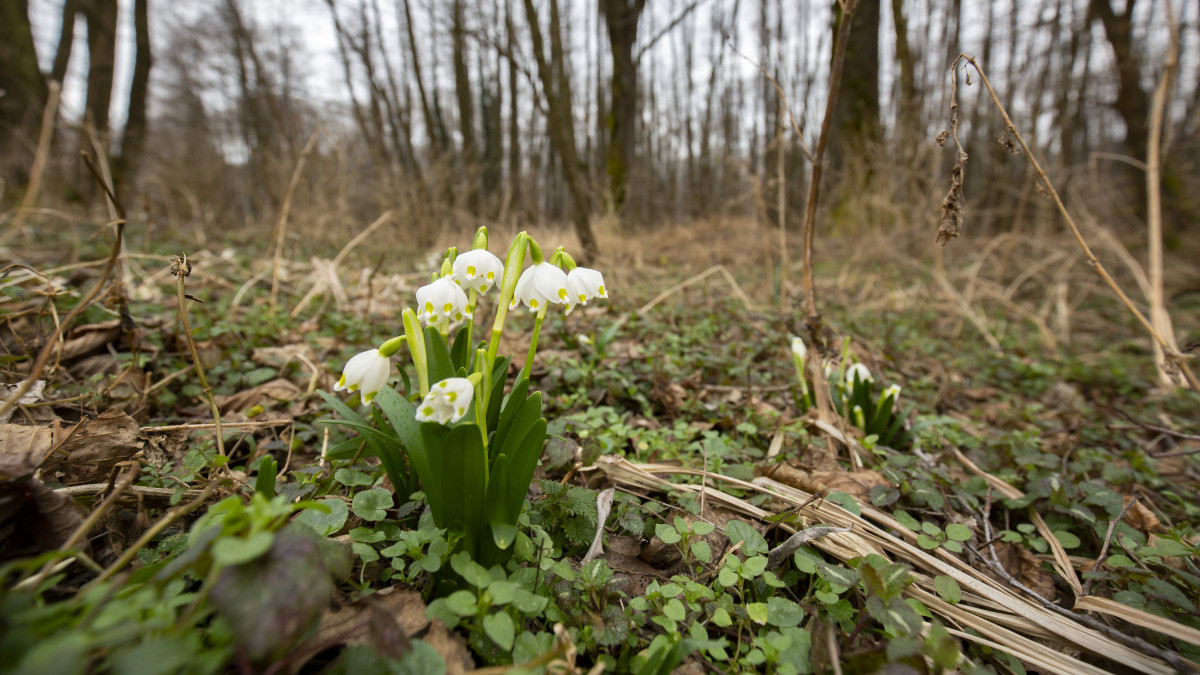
x=447, y=401
x=477, y=269
x=861, y=371
x=583, y=284
x=441, y=301
x=799, y=349
x=539, y=285
x=367, y=371
x=893, y=391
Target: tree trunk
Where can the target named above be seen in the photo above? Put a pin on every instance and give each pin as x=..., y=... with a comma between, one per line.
x=1132, y=101
x=66, y=39
x=102, y=46
x=621, y=17
x=466, y=110
x=134, y=135
x=514, y=123
x=858, y=123
x=557, y=92
x=909, y=104
x=25, y=88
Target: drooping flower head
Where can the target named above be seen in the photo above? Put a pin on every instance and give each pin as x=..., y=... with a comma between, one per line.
x=799, y=349
x=857, y=371
x=447, y=401
x=442, y=301
x=367, y=371
x=540, y=285
x=477, y=269
x=583, y=284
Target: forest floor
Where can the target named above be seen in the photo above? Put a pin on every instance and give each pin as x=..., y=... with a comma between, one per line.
x=1038, y=509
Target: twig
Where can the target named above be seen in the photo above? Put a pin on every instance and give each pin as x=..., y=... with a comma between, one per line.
x=282, y=223
x=1172, y=355
x=1112, y=526
x=97, y=488
x=52, y=344
x=812, y=317
x=181, y=268
x=780, y=553
x=1161, y=430
x=782, y=98
x=39, y=159
x=223, y=425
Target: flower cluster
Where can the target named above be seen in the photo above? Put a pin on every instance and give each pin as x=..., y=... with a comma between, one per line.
x=447, y=401
x=449, y=300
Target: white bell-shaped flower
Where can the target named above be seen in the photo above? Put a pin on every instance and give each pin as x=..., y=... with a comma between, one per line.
x=477, y=269
x=447, y=401
x=539, y=286
x=859, y=371
x=583, y=284
x=367, y=372
x=441, y=301
x=799, y=349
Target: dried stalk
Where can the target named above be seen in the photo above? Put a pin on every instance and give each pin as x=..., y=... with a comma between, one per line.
x=1172, y=355
x=812, y=317
x=1158, y=308
x=182, y=268
x=49, y=114
x=282, y=223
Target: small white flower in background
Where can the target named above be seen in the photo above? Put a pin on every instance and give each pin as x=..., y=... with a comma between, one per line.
x=477, y=269
x=583, y=284
x=859, y=370
x=441, y=301
x=367, y=372
x=799, y=349
x=447, y=401
x=539, y=286
x=893, y=391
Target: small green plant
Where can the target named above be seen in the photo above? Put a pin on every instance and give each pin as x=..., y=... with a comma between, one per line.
x=687, y=537
x=852, y=389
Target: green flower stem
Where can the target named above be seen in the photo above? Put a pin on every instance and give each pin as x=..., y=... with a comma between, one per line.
x=483, y=390
x=537, y=329
x=472, y=299
x=513, y=264
x=416, y=347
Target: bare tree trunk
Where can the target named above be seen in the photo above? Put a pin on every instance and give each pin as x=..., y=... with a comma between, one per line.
x=557, y=91
x=909, y=104
x=466, y=114
x=435, y=139
x=134, y=135
x=621, y=17
x=514, y=123
x=66, y=39
x=25, y=88
x=858, y=121
x=102, y=45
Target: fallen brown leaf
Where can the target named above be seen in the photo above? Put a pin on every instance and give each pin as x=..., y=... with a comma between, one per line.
x=29, y=441
x=279, y=389
x=33, y=518
x=90, y=452
x=857, y=484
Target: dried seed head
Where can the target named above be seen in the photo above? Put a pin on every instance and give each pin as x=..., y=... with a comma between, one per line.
x=181, y=265
x=942, y=138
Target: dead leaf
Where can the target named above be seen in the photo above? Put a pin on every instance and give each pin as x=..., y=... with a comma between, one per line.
x=33, y=518
x=1025, y=567
x=1142, y=518
x=279, y=389
x=90, y=337
x=857, y=484
x=89, y=453
x=384, y=621
x=282, y=355
x=29, y=441
x=32, y=396
x=451, y=647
